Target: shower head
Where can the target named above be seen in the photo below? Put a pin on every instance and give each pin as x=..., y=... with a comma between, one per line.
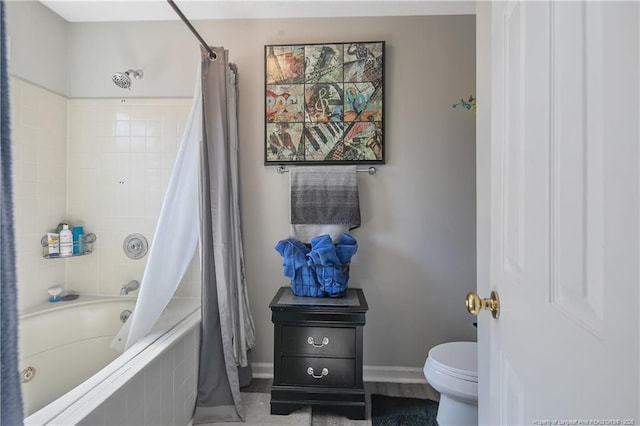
x=123, y=79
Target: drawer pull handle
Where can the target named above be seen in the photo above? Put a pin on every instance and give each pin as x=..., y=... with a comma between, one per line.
x=312, y=342
x=323, y=373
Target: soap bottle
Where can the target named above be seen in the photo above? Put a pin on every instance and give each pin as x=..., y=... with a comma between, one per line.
x=54, y=294
x=78, y=240
x=66, y=241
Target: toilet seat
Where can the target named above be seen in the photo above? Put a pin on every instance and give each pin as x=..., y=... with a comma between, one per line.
x=452, y=369
x=456, y=359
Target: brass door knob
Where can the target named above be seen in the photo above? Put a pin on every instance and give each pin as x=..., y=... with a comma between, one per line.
x=475, y=304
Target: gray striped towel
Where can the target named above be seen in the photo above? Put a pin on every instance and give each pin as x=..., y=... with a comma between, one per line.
x=324, y=196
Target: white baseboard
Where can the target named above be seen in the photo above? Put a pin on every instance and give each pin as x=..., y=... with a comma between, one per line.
x=262, y=370
x=370, y=373
x=379, y=373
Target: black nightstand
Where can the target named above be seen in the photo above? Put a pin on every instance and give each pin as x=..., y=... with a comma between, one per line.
x=317, y=353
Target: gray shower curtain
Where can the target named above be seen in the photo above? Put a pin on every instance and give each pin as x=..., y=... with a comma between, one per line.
x=227, y=330
x=10, y=392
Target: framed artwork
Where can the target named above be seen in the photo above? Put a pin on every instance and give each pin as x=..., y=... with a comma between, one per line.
x=324, y=103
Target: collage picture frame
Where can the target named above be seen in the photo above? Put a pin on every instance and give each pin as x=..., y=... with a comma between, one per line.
x=324, y=103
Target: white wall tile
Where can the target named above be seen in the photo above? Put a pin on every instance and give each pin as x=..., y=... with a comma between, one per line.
x=100, y=163
x=153, y=159
x=138, y=128
x=122, y=128
x=138, y=143
x=39, y=120
x=153, y=128
x=155, y=112
x=131, y=184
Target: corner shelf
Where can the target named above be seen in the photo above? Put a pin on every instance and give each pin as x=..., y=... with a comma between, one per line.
x=90, y=238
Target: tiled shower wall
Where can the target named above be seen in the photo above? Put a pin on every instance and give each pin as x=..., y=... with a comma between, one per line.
x=100, y=163
x=39, y=142
x=120, y=153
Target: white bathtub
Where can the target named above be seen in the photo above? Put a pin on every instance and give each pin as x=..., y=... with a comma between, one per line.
x=64, y=346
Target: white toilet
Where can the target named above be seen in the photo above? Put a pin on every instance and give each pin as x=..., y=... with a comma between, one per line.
x=452, y=369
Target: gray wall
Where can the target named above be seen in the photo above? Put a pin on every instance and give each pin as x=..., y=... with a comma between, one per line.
x=417, y=253
x=37, y=45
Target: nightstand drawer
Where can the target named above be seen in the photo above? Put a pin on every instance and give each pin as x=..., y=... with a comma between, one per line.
x=326, y=341
x=309, y=371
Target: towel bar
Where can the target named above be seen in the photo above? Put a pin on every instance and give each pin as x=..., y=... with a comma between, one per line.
x=371, y=170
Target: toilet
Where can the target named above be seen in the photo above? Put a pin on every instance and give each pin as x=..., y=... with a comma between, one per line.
x=452, y=369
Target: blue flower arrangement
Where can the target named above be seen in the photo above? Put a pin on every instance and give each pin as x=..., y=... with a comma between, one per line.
x=469, y=105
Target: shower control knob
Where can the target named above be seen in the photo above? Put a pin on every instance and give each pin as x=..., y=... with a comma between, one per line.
x=135, y=246
x=475, y=304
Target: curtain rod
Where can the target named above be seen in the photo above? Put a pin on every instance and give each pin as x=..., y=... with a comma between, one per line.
x=371, y=170
x=212, y=54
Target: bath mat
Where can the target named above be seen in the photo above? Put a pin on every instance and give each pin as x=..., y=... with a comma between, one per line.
x=258, y=409
x=395, y=411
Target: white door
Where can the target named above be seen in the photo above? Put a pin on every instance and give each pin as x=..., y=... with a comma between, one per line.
x=558, y=227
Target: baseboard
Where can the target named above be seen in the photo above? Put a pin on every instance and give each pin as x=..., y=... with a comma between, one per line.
x=370, y=373
x=262, y=370
x=379, y=373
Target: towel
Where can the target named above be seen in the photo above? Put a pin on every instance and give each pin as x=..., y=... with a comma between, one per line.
x=346, y=247
x=330, y=262
x=323, y=252
x=303, y=277
x=319, y=271
x=294, y=254
x=324, y=200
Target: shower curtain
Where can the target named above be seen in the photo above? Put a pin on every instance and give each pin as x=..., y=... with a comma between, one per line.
x=202, y=203
x=10, y=392
x=175, y=238
x=227, y=324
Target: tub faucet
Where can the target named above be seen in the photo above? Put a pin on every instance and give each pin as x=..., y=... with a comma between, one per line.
x=130, y=286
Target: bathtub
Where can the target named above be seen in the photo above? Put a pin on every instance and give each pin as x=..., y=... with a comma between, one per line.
x=71, y=376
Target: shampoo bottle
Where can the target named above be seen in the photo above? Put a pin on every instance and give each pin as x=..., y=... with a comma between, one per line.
x=66, y=241
x=78, y=240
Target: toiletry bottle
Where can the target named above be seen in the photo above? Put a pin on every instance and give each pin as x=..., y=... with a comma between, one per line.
x=78, y=240
x=66, y=241
x=53, y=242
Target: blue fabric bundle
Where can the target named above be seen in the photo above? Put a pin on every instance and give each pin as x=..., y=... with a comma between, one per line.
x=319, y=271
x=294, y=254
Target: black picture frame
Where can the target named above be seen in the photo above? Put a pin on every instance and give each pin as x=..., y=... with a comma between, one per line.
x=324, y=103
